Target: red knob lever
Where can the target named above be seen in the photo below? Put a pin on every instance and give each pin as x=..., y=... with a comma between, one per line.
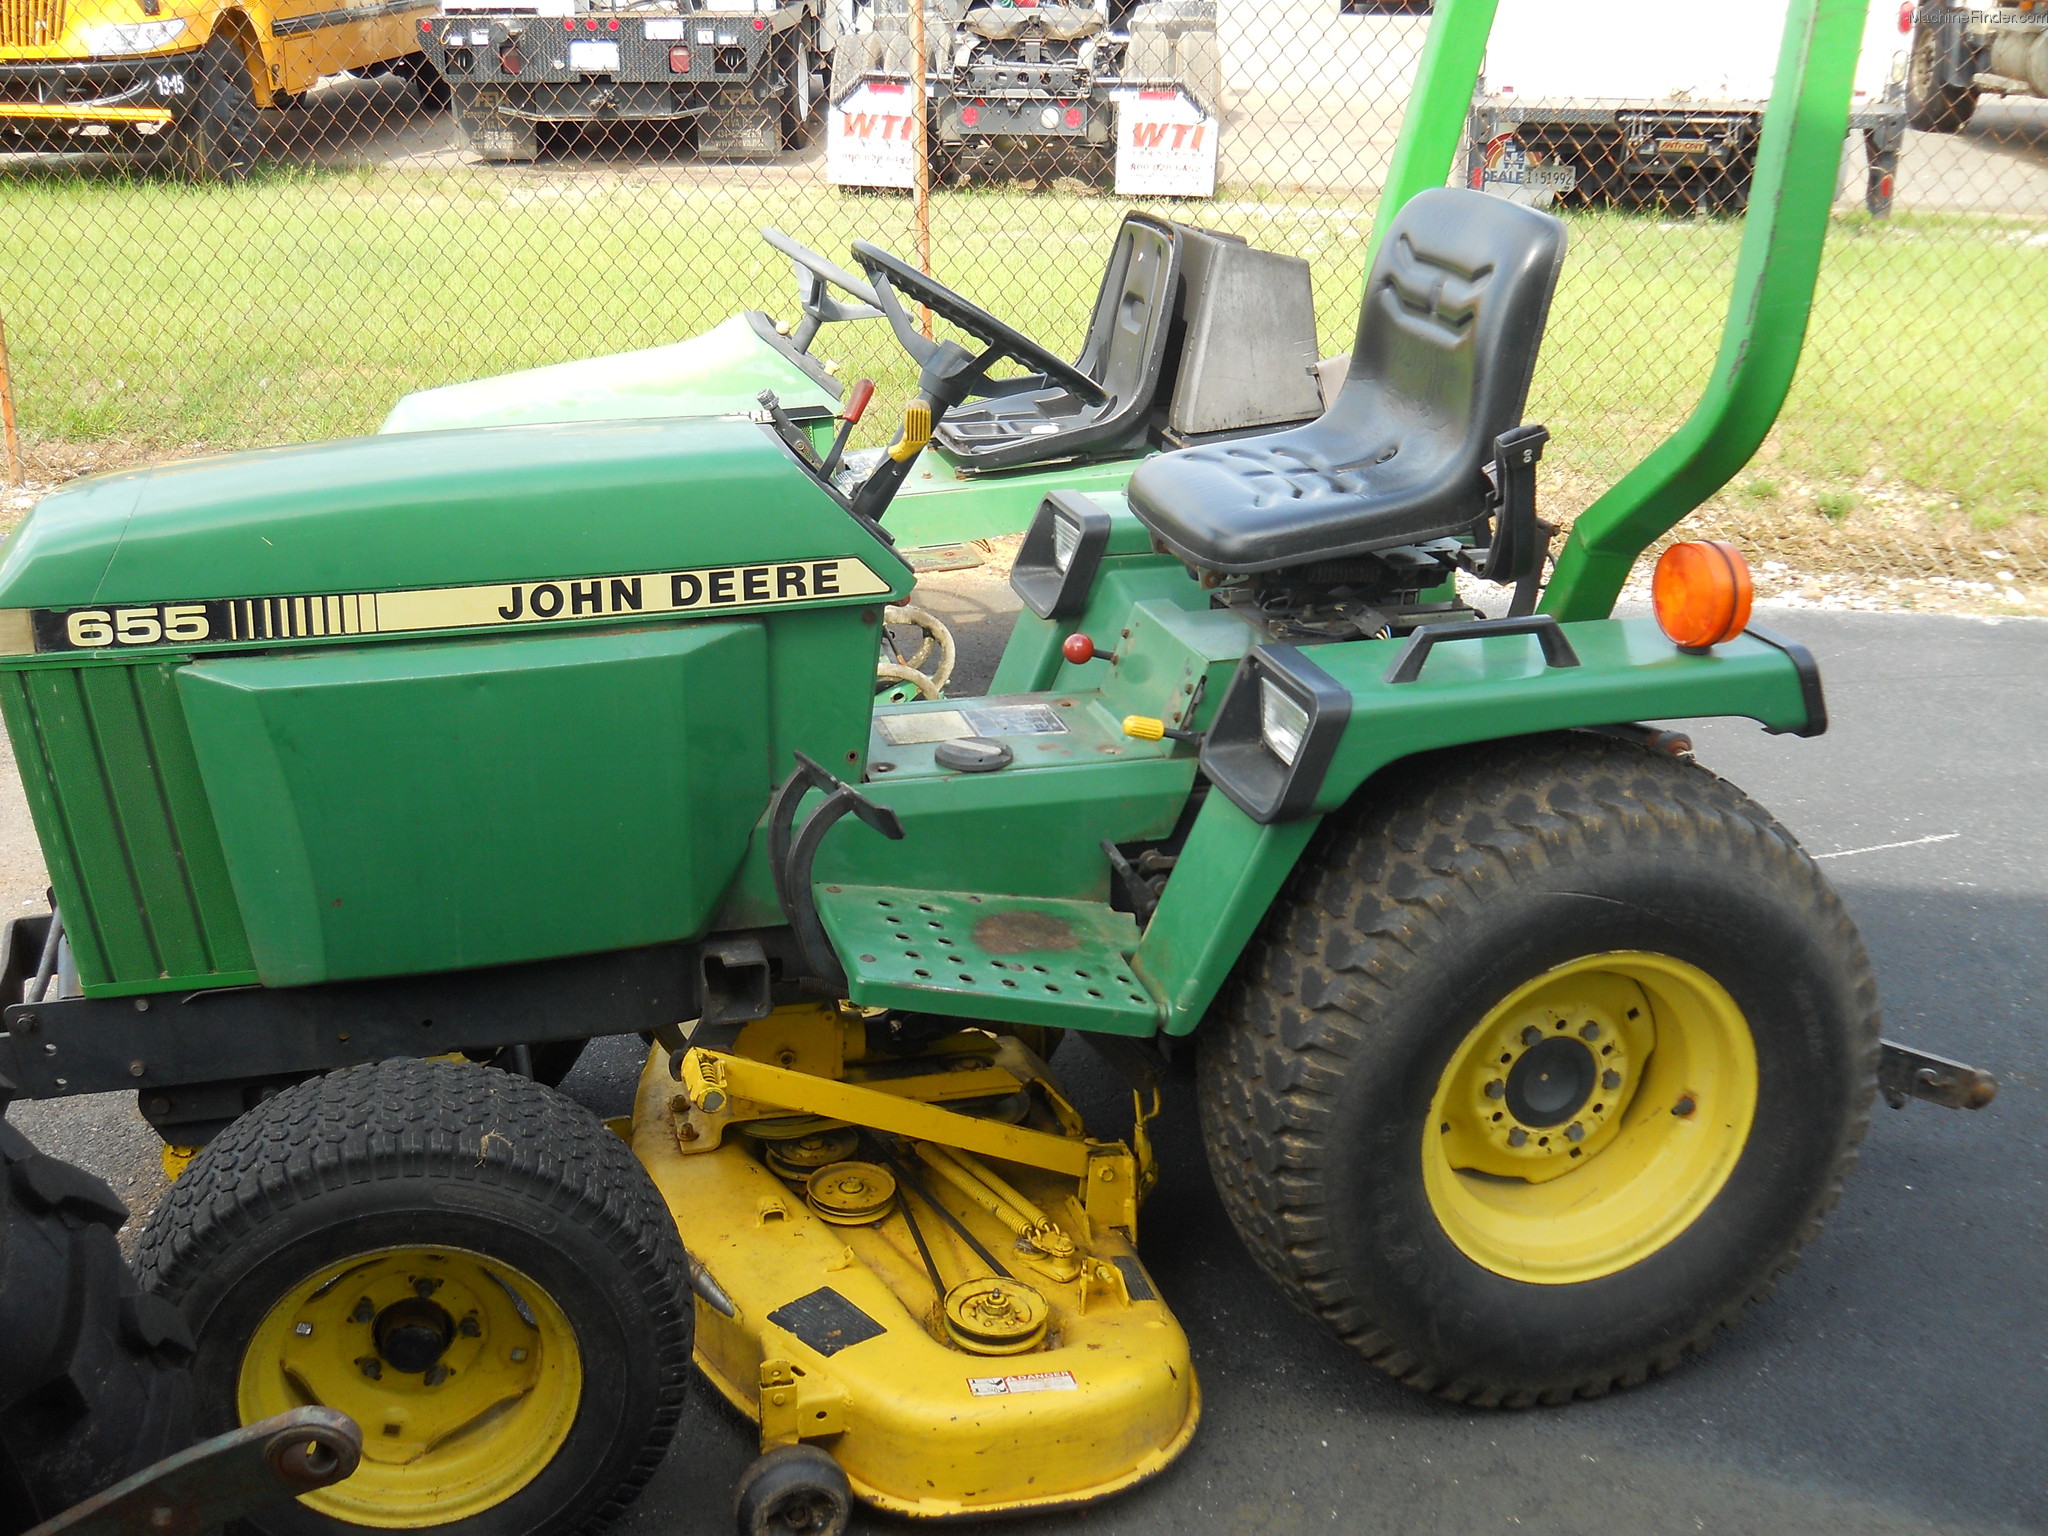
x=857, y=399
x=1078, y=649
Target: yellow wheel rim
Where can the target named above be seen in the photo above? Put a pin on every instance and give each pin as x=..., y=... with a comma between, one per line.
x=1590, y=1117
x=462, y=1372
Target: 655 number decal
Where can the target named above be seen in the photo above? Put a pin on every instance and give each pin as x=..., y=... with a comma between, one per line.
x=88, y=629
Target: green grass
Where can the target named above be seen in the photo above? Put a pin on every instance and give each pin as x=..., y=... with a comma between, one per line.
x=303, y=303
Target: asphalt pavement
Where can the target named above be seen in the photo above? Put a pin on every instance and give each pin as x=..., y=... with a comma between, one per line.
x=1897, y=1381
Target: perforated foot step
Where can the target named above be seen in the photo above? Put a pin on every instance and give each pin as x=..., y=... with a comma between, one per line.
x=1016, y=959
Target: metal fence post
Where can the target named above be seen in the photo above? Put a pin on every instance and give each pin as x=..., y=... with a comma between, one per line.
x=15, y=473
x=921, y=191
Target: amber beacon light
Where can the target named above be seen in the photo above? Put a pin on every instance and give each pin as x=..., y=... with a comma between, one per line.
x=1701, y=593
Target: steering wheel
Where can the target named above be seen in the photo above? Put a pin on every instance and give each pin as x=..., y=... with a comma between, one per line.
x=815, y=279
x=893, y=275
x=818, y=266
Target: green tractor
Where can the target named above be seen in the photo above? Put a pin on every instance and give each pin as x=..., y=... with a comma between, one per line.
x=373, y=776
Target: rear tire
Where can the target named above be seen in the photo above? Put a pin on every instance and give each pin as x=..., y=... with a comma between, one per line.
x=216, y=137
x=1930, y=106
x=95, y=1386
x=799, y=107
x=420, y=1244
x=1477, y=902
x=427, y=81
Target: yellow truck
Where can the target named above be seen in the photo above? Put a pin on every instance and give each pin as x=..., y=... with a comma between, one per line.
x=123, y=74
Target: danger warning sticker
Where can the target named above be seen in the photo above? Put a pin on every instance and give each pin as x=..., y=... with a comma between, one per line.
x=241, y=620
x=1010, y=1386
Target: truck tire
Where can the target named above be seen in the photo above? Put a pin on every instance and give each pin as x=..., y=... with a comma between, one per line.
x=215, y=137
x=418, y=71
x=95, y=1386
x=1931, y=106
x=795, y=103
x=1546, y=960
x=420, y=1244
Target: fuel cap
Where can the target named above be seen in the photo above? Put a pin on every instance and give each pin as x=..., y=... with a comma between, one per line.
x=973, y=754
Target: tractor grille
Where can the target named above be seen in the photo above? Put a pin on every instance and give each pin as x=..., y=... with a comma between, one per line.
x=107, y=766
x=30, y=23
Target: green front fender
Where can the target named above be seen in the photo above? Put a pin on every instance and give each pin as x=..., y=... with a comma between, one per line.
x=1232, y=869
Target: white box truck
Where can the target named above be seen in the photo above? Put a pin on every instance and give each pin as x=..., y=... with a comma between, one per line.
x=1650, y=103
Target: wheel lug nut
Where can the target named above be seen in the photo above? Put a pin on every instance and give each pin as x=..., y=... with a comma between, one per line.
x=436, y=1374
x=370, y=1366
x=363, y=1312
x=1575, y=1132
x=1590, y=1032
x=469, y=1328
x=1496, y=1089
x=1518, y=1137
x=1531, y=1035
x=1610, y=1079
x=425, y=1287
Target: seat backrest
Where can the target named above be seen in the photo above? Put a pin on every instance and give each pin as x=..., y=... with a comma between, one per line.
x=1134, y=310
x=1125, y=352
x=1453, y=317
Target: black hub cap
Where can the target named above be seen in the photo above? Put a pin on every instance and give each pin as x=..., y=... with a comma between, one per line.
x=1552, y=1082
x=411, y=1334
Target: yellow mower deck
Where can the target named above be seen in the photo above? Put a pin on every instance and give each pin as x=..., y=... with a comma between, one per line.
x=1050, y=1376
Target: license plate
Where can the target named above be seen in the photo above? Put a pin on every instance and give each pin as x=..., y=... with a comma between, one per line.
x=597, y=58
x=667, y=31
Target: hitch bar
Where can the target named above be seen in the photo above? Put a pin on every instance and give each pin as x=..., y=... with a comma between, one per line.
x=1904, y=1073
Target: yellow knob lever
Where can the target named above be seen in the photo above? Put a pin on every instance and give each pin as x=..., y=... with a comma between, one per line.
x=1144, y=727
x=917, y=431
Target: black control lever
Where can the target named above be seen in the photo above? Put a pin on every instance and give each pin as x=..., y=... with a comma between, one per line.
x=1519, y=540
x=786, y=428
x=950, y=373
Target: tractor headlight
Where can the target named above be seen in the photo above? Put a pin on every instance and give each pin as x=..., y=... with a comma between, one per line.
x=1066, y=540
x=1283, y=723
x=131, y=37
x=1062, y=549
x=1275, y=733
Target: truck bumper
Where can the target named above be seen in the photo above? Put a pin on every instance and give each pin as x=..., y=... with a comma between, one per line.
x=56, y=100
x=965, y=119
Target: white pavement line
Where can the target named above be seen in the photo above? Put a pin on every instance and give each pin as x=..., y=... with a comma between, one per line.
x=1916, y=842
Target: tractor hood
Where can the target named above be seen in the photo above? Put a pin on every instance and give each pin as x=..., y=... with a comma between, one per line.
x=435, y=510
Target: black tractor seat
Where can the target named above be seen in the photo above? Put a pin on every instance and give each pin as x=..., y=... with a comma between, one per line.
x=1192, y=333
x=1453, y=316
x=1125, y=353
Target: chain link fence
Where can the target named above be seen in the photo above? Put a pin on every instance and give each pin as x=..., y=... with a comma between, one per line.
x=223, y=228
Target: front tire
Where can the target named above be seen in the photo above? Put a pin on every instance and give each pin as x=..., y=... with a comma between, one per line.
x=1545, y=1067
x=467, y=1263
x=216, y=136
x=1931, y=106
